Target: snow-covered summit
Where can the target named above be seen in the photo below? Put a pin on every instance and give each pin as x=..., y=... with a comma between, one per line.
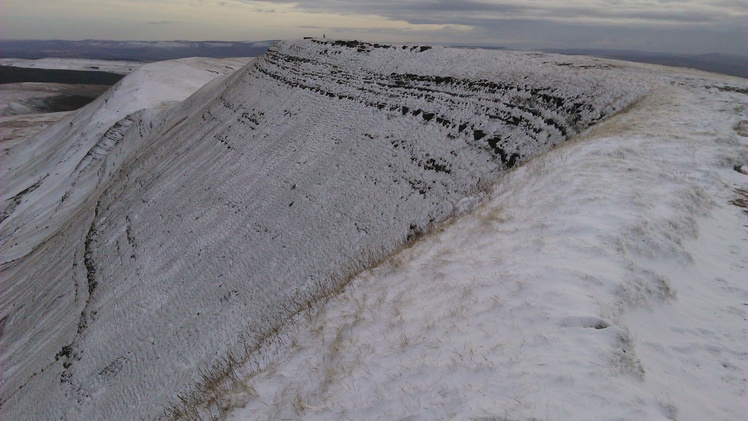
x=200, y=230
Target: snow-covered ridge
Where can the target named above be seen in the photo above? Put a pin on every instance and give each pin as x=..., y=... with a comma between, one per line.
x=50, y=185
x=233, y=209
x=515, y=108
x=603, y=280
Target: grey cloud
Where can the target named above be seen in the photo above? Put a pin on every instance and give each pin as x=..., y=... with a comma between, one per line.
x=168, y=22
x=444, y=11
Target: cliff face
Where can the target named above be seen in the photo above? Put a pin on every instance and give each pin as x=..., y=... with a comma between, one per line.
x=262, y=192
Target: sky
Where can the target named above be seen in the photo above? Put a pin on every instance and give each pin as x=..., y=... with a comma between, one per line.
x=677, y=26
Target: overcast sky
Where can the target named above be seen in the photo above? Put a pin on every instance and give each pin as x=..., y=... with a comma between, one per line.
x=684, y=26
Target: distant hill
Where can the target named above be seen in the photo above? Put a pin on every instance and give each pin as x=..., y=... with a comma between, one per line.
x=10, y=74
x=130, y=50
x=716, y=63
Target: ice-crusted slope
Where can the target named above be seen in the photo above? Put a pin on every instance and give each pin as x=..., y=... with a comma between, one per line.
x=259, y=194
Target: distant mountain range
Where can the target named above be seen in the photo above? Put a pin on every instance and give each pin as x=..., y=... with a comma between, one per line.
x=130, y=50
x=167, y=50
x=717, y=63
x=12, y=74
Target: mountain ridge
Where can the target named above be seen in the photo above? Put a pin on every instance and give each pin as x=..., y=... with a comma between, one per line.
x=269, y=187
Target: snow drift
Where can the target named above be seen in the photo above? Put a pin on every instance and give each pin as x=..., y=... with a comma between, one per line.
x=134, y=258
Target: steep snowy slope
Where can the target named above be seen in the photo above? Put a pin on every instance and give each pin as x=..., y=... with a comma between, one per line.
x=604, y=280
x=224, y=216
x=50, y=184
